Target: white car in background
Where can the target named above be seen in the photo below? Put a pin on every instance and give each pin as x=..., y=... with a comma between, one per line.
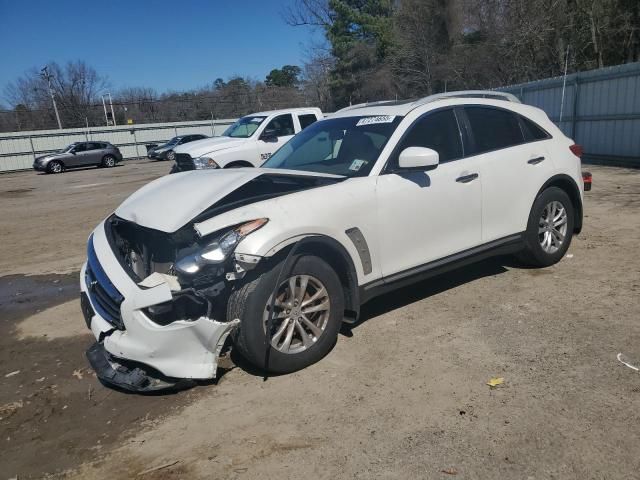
x=247, y=143
x=376, y=197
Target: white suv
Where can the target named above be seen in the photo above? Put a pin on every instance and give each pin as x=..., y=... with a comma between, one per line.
x=375, y=197
x=247, y=143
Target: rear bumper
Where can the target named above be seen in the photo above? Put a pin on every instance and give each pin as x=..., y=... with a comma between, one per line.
x=182, y=349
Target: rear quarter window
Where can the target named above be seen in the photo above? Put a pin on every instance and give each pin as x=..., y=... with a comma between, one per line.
x=493, y=129
x=531, y=131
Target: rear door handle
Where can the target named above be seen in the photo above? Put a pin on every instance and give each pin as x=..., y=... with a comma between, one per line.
x=467, y=178
x=535, y=161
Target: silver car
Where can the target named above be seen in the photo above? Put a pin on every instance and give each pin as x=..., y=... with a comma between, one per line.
x=79, y=154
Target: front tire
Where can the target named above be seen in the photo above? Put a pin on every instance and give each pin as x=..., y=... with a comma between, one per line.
x=55, y=166
x=308, y=313
x=549, y=229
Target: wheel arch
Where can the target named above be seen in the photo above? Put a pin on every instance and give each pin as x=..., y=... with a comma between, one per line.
x=570, y=187
x=337, y=256
x=57, y=160
x=239, y=164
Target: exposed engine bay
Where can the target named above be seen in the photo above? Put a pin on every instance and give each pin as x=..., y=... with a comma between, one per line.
x=156, y=299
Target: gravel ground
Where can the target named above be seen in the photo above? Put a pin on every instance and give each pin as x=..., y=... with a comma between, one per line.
x=402, y=395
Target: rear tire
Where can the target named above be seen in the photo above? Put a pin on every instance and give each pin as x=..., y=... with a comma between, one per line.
x=55, y=166
x=549, y=229
x=108, y=161
x=295, y=344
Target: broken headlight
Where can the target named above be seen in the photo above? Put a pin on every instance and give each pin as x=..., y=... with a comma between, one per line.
x=218, y=250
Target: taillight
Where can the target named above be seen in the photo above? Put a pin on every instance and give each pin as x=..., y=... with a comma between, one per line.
x=586, y=180
x=577, y=150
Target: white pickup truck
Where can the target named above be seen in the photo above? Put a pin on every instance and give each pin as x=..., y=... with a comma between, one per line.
x=249, y=142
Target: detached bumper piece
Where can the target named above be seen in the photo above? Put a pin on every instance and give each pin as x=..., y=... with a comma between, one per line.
x=130, y=376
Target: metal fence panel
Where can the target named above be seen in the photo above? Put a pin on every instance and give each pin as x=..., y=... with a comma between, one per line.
x=600, y=111
x=18, y=149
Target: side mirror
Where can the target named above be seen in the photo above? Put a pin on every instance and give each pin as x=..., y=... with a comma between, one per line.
x=418, y=158
x=72, y=151
x=269, y=136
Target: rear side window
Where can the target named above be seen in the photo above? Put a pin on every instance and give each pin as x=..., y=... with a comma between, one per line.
x=493, y=128
x=306, y=120
x=438, y=131
x=531, y=131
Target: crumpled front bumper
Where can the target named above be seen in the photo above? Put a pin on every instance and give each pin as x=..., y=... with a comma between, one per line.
x=185, y=349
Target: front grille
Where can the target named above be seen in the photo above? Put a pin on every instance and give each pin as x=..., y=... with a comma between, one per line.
x=105, y=297
x=184, y=162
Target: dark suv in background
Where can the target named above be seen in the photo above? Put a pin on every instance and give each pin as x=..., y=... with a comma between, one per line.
x=165, y=150
x=79, y=154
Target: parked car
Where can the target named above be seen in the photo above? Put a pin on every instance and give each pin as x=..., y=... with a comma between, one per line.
x=165, y=150
x=374, y=198
x=79, y=154
x=248, y=142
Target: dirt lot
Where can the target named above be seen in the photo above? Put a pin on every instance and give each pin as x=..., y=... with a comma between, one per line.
x=403, y=395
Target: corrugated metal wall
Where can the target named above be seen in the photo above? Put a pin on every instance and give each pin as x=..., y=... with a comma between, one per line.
x=601, y=110
x=17, y=150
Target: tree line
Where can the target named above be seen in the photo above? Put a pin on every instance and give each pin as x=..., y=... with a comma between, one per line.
x=371, y=50
x=407, y=48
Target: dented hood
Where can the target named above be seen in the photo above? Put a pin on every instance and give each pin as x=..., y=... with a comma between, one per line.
x=202, y=147
x=170, y=202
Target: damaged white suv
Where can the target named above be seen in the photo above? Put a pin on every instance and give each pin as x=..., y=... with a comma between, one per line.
x=375, y=197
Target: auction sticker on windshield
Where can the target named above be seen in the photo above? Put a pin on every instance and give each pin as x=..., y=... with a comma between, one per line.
x=374, y=120
x=357, y=165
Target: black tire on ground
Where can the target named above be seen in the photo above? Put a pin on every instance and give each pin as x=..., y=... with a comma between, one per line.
x=249, y=300
x=174, y=169
x=108, y=161
x=55, y=166
x=533, y=253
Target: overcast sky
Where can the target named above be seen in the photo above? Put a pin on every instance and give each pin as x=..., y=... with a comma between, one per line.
x=167, y=45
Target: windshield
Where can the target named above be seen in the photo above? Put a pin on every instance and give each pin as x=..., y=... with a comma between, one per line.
x=173, y=141
x=346, y=146
x=68, y=148
x=244, y=128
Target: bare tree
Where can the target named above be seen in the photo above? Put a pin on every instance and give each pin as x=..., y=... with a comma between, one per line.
x=315, y=13
x=76, y=87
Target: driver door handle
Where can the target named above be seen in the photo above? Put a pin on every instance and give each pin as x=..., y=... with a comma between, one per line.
x=467, y=178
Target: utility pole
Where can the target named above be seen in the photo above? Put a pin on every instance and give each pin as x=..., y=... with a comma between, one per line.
x=44, y=73
x=113, y=115
x=106, y=117
x=104, y=105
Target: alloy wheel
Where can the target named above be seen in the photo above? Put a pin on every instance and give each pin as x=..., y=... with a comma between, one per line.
x=301, y=314
x=552, y=227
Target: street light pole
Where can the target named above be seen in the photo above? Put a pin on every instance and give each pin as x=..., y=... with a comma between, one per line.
x=44, y=73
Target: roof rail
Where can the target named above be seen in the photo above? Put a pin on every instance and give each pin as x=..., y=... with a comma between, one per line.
x=492, y=94
x=362, y=105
